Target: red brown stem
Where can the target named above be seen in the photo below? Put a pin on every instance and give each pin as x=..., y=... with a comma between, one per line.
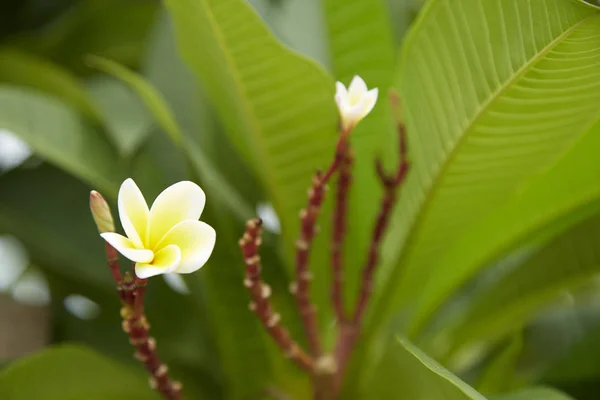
x=339, y=229
x=308, y=218
x=260, y=294
x=131, y=292
x=137, y=327
x=350, y=332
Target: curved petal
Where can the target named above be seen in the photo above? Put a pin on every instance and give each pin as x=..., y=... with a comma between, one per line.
x=196, y=239
x=133, y=212
x=357, y=87
x=340, y=90
x=126, y=247
x=369, y=101
x=179, y=202
x=165, y=261
x=354, y=113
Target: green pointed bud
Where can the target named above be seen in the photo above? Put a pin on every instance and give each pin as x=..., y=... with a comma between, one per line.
x=101, y=213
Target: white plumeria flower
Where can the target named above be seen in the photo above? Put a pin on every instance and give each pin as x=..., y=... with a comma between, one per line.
x=355, y=102
x=167, y=237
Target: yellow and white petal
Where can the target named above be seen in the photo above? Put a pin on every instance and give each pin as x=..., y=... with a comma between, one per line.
x=357, y=88
x=369, y=101
x=179, y=202
x=196, y=239
x=165, y=261
x=353, y=114
x=133, y=212
x=126, y=247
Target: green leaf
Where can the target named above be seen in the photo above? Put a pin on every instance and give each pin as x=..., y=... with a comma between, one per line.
x=83, y=30
x=210, y=176
x=488, y=105
x=361, y=43
x=552, y=202
x=276, y=105
x=565, y=262
x=580, y=363
x=406, y=372
x=56, y=133
x=147, y=93
x=24, y=69
x=127, y=121
x=48, y=211
x=534, y=394
x=496, y=377
x=71, y=373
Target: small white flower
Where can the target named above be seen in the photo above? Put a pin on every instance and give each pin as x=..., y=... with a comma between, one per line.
x=355, y=102
x=167, y=237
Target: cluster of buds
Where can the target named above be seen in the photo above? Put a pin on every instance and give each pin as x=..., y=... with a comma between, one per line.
x=327, y=369
x=167, y=238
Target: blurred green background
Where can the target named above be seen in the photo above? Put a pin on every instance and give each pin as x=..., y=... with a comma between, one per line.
x=491, y=263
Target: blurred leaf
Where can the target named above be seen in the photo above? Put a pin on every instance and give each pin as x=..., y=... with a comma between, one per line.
x=487, y=107
x=581, y=363
x=110, y=28
x=58, y=134
x=126, y=119
x=496, y=377
x=565, y=262
x=151, y=98
x=277, y=106
x=71, y=373
x=24, y=69
x=406, y=372
x=48, y=211
x=534, y=394
x=211, y=177
x=300, y=24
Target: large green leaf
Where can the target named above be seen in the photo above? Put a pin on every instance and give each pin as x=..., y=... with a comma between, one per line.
x=361, y=43
x=553, y=201
x=494, y=93
x=565, y=262
x=71, y=373
x=277, y=106
x=58, y=134
x=406, y=372
x=20, y=68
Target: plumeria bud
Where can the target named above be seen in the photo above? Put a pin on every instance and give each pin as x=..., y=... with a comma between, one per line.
x=101, y=213
x=355, y=102
x=167, y=237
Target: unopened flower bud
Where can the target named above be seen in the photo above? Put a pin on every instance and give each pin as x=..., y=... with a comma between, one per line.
x=101, y=213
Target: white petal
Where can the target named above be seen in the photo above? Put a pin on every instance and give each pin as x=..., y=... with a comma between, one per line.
x=133, y=212
x=369, y=101
x=195, y=239
x=179, y=202
x=126, y=247
x=340, y=90
x=357, y=87
x=353, y=114
x=164, y=262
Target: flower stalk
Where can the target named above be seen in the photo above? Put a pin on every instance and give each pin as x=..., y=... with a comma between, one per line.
x=131, y=290
x=327, y=369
